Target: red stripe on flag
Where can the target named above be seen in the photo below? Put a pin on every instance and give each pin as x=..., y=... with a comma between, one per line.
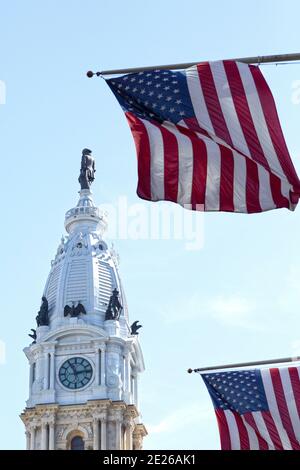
x=295, y=381
x=170, y=163
x=212, y=102
x=252, y=187
x=274, y=127
x=282, y=407
x=193, y=125
x=279, y=199
x=142, y=144
x=243, y=433
x=199, y=174
x=226, y=181
x=263, y=445
x=223, y=430
x=272, y=429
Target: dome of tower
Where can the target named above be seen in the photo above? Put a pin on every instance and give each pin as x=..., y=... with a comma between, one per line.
x=84, y=269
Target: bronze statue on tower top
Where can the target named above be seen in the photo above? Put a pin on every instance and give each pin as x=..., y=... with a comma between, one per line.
x=87, y=170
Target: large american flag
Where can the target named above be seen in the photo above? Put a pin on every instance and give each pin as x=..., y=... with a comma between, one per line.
x=208, y=138
x=257, y=409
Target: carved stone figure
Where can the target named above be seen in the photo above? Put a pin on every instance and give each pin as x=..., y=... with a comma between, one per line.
x=42, y=318
x=87, y=170
x=135, y=327
x=114, y=308
x=33, y=336
x=60, y=432
x=74, y=311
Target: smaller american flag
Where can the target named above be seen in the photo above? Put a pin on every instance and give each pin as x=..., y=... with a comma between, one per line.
x=257, y=409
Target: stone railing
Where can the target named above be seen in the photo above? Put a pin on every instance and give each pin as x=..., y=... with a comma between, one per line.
x=87, y=210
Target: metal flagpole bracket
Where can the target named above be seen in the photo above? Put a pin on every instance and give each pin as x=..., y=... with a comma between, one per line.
x=90, y=74
x=246, y=364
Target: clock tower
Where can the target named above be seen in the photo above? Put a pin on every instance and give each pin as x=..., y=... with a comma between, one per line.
x=84, y=359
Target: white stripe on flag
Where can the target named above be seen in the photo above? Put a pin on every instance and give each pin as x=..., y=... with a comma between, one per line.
x=239, y=182
x=261, y=425
x=157, y=161
x=253, y=441
x=197, y=98
x=233, y=430
x=265, y=194
x=185, y=165
x=213, y=176
x=228, y=108
x=273, y=407
x=290, y=400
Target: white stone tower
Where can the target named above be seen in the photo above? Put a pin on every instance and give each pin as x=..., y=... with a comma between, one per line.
x=84, y=361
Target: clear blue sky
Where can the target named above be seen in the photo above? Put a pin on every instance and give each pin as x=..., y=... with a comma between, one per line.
x=235, y=299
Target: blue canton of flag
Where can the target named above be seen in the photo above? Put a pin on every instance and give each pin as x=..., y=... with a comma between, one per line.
x=160, y=95
x=241, y=391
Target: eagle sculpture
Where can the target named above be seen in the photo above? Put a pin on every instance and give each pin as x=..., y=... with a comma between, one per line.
x=33, y=335
x=74, y=311
x=134, y=328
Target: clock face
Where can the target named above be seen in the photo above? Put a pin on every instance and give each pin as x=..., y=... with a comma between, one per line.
x=75, y=373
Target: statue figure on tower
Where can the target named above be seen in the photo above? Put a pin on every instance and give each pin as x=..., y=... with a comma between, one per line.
x=114, y=308
x=87, y=170
x=42, y=318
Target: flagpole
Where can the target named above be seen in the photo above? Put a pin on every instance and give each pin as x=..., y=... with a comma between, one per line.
x=247, y=60
x=246, y=364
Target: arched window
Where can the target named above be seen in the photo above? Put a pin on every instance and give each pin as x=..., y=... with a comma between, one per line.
x=77, y=443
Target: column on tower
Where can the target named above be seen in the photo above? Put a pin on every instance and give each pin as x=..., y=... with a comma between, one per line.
x=44, y=438
x=52, y=370
x=103, y=432
x=127, y=371
x=97, y=376
x=102, y=365
x=128, y=434
x=96, y=433
x=135, y=387
x=27, y=433
x=31, y=377
x=47, y=365
x=32, y=436
x=51, y=436
x=118, y=422
x=39, y=372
